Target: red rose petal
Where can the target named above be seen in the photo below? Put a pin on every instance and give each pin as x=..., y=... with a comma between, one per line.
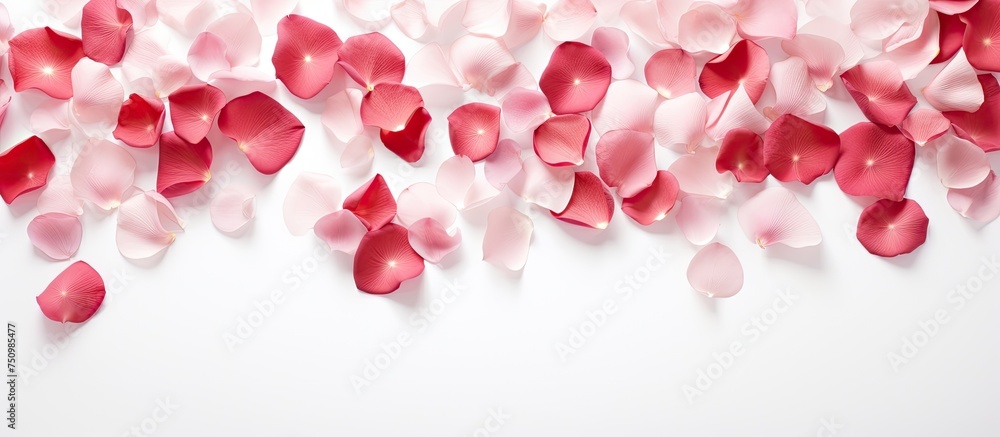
x=875, y=160
x=626, y=160
x=140, y=121
x=409, y=142
x=193, y=109
x=887, y=228
x=742, y=154
x=562, y=140
x=591, y=204
x=879, y=91
x=474, y=130
x=950, y=38
x=43, y=59
x=305, y=55
x=372, y=203
x=24, y=168
x=371, y=59
x=652, y=204
x=74, y=295
x=746, y=64
x=385, y=259
x=103, y=28
x=184, y=167
x=981, y=127
x=671, y=73
x=982, y=34
x=263, y=129
x=389, y=106
x=797, y=150
x=576, y=78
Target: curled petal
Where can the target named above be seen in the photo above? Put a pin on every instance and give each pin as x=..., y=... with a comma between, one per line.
x=474, y=130
x=305, y=55
x=775, y=216
x=371, y=59
x=385, y=259
x=628, y=105
x=103, y=28
x=981, y=202
x=731, y=111
x=524, y=109
x=699, y=218
x=97, y=95
x=875, y=160
x=613, y=43
x=745, y=65
x=263, y=129
x=372, y=203
x=569, y=19
x=358, y=153
x=715, y=271
x=140, y=121
x=679, y=123
x=193, y=110
x=961, y=164
x=913, y=57
x=503, y=164
x=671, y=73
x=24, y=168
x=956, y=87
x=795, y=91
x=797, y=150
x=207, y=56
x=432, y=241
x=233, y=209
x=102, y=173
x=342, y=114
x=890, y=228
x=742, y=154
x=146, y=226
x=923, y=125
x=981, y=127
x=591, y=205
x=487, y=17
x=409, y=142
x=183, y=166
x=952, y=7
x=56, y=235
x=879, y=19
x=706, y=28
x=479, y=59
x=696, y=174
x=421, y=200
x=546, y=186
x=73, y=296
x=58, y=197
x=43, y=59
x=626, y=161
x=576, y=78
x=310, y=197
x=342, y=231
x=562, y=140
x=389, y=106
x=950, y=37
x=508, y=235
x=757, y=19
x=981, y=34
x=822, y=56
x=653, y=203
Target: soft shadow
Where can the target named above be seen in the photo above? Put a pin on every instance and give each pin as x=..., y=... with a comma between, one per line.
x=246, y=230
x=151, y=262
x=903, y=261
x=409, y=293
x=593, y=237
x=806, y=256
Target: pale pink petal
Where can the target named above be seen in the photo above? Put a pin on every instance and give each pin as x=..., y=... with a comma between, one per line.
x=59, y=197
x=525, y=21
x=505, y=162
x=823, y=57
x=837, y=31
x=696, y=174
x=737, y=112
x=524, y=110
x=372, y=12
x=513, y=77
x=914, y=56
x=671, y=73
x=546, y=186
x=358, y=153
x=980, y=203
x=757, y=19
x=97, y=95
x=508, y=235
x=422, y=200
x=342, y=114
x=207, y=55
x=923, y=125
x=775, y=216
x=699, y=218
x=6, y=30
x=569, y=19
x=613, y=43
x=952, y=7
x=961, y=164
x=147, y=225
x=430, y=66
x=458, y=183
x=679, y=123
x=835, y=10
x=795, y=92
x=715, y=271
x=626, y=161
x=342, y=231
x=310, y=197
x=643, y=19
x=233, y=209
x=432, y=241
x=171, y=73
x=487, y=17
x=56, y=235
x=52, y=121
x=956, y=87
x=706, y=28
x=242, y=38
x=478, y=59
x=267, y=13
x=629, y=105
x=410, y=17
x=102, y=173
x=184, y=15
x=878, y=19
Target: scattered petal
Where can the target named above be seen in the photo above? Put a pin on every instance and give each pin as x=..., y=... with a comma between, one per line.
x=613, y=44
x=981, y=202
x=56, y=235
x=981, y=127
x=409, y=142
x=503, y=164
x=371, y=59
x=913, y=57
x=699, y=218
x=267, y=13
x=981, y=34
x=508, y=235
x=43, y=59
x=432, y=241
x=742, y=154
x=823, y=57
x=342, y=114
x=879, y=90
x=591, y=205
x=775, y=216
x=183, y=166
x=385, y=259
x=715, y=271
x=956, y=87
x=950, y=37
x=342, y=231
x=758, y=19
x=526, y=20
x=474, y=130
x=421, y=200
x=890, y=228
x=310, y=197
x=562, y=140
x=140, y=121
x=97, y=95
x=305, y=55
x=372, y=203
x=745, y=65
x=543, y=185
x=626, y=161
x=961, y=164
x=653, y=203
x=705, y=28
x=797, y=150
x=193, y=110
x=358, y=153
x=923, y=125
x=795, y=92
x=233, y=209
x=628, y=105
x=487, y=17
x=103, y=28
x=875, y=160
x=679, y=123
x=143, y=222
x=569, y=19
x=671, y=73
x=389, y=106
x=263, y=129
x=73, y=296
x=241, y=36
x=207, y=56
x=696, y=174
x=430, y=66
x=524, y=109
x=731, y=111
x=59, y=197
x=576, y=78
x=24, y=168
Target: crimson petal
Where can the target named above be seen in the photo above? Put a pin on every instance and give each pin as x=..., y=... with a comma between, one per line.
x=24, y=167
x=389, y=106
x=140, y=121
x=982, y=33
x=875, y=160
x=103, y=28
x=742, y=154
x=263, y=129
x=887, y=228
x=952, y=32
x=184, y=167
x=981, y=127
x=305, y=55
x=409, y=142
x=371, y=59
x=385, y=259
x=797, y=150
x=591, y=204
x=372, y=203
x=193, y=109
x=73, y=296
x=746, y=64
x=576, y=78
x=474, y=130
x=880, y=92
x=562, y=140
x=652, y=204
x=43, y=59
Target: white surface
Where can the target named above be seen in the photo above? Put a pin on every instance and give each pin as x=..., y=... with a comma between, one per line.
x=161, y=336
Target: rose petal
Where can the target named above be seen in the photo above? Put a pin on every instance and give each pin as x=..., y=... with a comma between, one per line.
x=97, y=95
x=487, y=17
x=679, y=123
x=671, y=73
x=103, y=28
x=745, y=65
x=524, y=109
x=526, y=18
x=183, y=167
x=569, y=19
x=653, y=203
x=576, y=78
x=742, y=154
x=24, y=168
x=479, y=59
x=474, y=130
x=305, y=55
x=823, y=57
x=757, y=19
x=628, y=105
x=371, y=59
x=889, y=228
x=421, y=200
x=775, y=216
x=981, y=127
x=241, y=36
x=409, y=142
x=193, y=110
x=562, y=140
x=696, y=174
x=731, y=111
x=699, y=218
x=102, y=173
x=797, y=150
x=508, y=235
x=981, y=202
x=875, y=160
x=385, y=259
x=626, y=161
x=59, y=197
x=56, y=235
x=263, y=129
x=342, y=231
x=73, y=296
x=795, y=92
x=207, y=56
x=705, y=27
x=961, y=164
x=389, y=106
x=140, y=121
x=591, y=205
x=233, y=209
x=358, y=153
x=372, y=203
x=715, y=271
x=342, y=114
x=923, y=125
x=310, y=197
x=503, y=164
x=956, y=87
x=546, y=186
x=613, y=43
x=143, y=222
x=980, y=33
x=43, y=59
x=431, y=241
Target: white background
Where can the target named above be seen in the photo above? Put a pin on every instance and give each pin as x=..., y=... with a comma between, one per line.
x=160, y=336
